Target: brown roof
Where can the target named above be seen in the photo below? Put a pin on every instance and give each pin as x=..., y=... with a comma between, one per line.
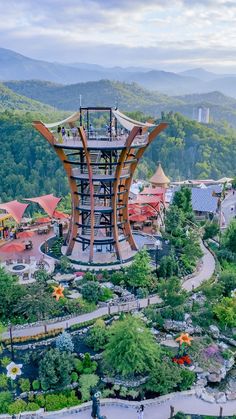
x=159, y=177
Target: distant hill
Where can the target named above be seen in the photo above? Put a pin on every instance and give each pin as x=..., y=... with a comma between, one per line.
x=128, y=97
x=12, y=101
x=201, y=74
x=14, y=66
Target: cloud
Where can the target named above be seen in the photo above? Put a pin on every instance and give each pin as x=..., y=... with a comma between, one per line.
x=122, y=32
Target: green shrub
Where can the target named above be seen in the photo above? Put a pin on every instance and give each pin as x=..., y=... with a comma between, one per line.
x=97, y=335
x=107, y=392
x=32, y=407
x=187, y=379
x=74, y=377
x=36, y=385
x=5, y=361
x=227, y=354
x=5, y=401
x=72, y=399
x=17, y=406
x=87, y=382
x=40, y=400
x=105, y=294
x=91, y=291
x=24, y=384
x=55, y=402
x=3, y=381
x=78, y=364
x=117, y=277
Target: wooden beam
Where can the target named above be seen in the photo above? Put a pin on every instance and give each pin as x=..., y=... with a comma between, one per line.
x=91, y=187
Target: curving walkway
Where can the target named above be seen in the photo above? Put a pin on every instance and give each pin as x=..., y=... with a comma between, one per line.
x=158, y=410
x=205, y=273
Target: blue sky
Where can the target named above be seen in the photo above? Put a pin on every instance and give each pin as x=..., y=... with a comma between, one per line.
x=170, y=35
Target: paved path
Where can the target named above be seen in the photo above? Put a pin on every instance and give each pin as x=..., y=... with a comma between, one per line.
x=187, y=404
x=205, y=273
x=132, y=305
x=228, y=208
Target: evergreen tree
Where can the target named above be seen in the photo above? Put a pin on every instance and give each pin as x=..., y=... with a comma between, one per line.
x=131, y=349
x=64, y=342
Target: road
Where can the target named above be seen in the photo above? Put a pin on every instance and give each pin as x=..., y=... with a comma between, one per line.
x=187, y=404
x=228, y=208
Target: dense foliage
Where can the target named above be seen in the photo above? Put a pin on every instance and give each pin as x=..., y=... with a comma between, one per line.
x=192, y=151
x=187, y=150
x=28, y=165
x=131, y=348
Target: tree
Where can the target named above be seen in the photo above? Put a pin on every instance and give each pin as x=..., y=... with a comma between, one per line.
x=131, y=349
x=168, y=266
x=139, y=273
x=97, y=335
x=183, y=200
x=229, y=238
x=91, y=291
x=54, y=369
x=228, y=280
x=64, y=342
x=171, y=292
x=174, y=221
x=211, y=229
x=225, y=311
x=87, y=382
x=36, y=304
x=10, y=294
x=164, y=377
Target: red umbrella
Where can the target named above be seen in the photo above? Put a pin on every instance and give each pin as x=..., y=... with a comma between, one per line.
x=138, y=218
x=43, y=220
x=25, y=234
x=13, y=247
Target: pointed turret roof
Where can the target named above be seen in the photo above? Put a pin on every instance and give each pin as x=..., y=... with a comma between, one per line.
x=159, y=178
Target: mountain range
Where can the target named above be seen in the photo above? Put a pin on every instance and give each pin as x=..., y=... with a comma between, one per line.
x=14, y=66
x=128, y=97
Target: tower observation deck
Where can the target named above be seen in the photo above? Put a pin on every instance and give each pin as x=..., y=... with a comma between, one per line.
x=100, y=164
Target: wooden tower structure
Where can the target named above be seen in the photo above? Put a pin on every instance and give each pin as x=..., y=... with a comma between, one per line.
x=100, y=164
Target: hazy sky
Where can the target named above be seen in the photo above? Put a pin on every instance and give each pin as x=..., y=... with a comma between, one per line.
x=171, y=35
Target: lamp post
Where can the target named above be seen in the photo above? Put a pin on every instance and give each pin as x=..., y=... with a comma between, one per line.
x=157, y=247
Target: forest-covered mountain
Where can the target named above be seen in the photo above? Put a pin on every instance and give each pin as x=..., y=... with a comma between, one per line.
x=14, y=66
x=128, y=97
x=189, y=150
x=11, y=100
x=30, y=167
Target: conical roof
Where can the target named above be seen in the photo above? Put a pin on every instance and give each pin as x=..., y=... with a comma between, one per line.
x=159, y=178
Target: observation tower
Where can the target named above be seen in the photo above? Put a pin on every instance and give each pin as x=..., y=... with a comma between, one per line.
x=100, y=164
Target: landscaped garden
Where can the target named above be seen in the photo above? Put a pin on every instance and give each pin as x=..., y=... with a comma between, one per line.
x=188, y=339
